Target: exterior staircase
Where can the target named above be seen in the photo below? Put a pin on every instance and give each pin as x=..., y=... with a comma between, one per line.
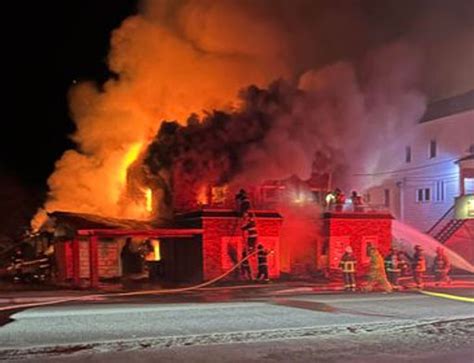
x=441, y=223
x=449, y=229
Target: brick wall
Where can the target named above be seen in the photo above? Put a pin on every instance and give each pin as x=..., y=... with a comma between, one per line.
x=223, y=243
x=358, y=233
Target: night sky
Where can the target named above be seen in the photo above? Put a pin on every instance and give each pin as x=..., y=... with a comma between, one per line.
x=52, y=44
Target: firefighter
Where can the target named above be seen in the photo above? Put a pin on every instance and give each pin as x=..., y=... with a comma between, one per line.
x=262, y=259
x=356, y=201
x=245, y=270
x=132, y=261
x=330, y=199
x=242, y=201
x=377, y=278
x=348, y=264
x=250, y=226
x=404, y=264
x=441, y=267
x=418, y=266
x=392, y=267
x=340, y=199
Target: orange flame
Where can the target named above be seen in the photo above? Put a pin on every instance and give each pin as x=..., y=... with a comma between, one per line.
x=155, y=254
x=130, y=156
x=202, y=196
x=149, y=200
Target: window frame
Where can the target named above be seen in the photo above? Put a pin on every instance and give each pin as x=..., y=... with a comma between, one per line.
x=408, y=154
x=433, y=149
x=386, y=197
x=425, y=193
x=439, y=191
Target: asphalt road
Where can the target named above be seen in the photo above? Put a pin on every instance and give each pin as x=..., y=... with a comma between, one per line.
x=264, y=328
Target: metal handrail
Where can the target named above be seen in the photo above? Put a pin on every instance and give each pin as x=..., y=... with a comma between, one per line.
x=440, y=219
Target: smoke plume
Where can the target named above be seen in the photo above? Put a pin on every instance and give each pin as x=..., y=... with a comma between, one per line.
x=181, y=57
x=340, y=111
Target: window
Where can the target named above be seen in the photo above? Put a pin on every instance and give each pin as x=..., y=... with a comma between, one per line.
x=432, y=149
x=468, y=185
x=439, y=191
x=386, y=197
x=408, y=154
x=423, y=195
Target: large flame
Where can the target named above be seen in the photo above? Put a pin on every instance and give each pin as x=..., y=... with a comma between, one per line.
x=162, y=73
x=130, y=156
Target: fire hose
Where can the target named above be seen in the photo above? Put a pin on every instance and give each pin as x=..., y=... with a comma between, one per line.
x=447, y=296
x=132, y=293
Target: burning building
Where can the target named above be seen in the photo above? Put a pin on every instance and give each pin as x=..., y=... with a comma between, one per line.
x=182, y=188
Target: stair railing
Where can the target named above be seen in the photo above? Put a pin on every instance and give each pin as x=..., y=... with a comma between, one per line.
x=441, y=219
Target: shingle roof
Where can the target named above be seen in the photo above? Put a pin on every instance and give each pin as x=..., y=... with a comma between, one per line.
x=449, y=106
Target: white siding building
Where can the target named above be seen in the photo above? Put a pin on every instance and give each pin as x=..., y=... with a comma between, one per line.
x=434, y=165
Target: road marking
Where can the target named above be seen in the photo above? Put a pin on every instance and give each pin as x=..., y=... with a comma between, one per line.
x=448, y=296
x=353, y=299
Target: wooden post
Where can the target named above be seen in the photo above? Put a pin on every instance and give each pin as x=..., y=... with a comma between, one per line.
x=94, y=261
x=76, y=263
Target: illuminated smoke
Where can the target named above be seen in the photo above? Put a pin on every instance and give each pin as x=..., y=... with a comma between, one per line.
x=339, y=111
x=179, y=57
x=163, y=71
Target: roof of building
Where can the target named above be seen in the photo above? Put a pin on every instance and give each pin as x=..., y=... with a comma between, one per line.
x=355, y=215
x=449, y=106
x=88, y=224
x=227, y=213
x=91, y=221
x=468, y=157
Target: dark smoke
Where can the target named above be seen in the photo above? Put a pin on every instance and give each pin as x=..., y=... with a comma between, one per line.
x=339, y=116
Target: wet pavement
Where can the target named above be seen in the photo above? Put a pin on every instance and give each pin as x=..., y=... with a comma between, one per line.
x=232, y=315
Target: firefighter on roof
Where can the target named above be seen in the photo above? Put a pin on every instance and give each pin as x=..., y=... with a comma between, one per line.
x=392, y=266
x=356, y=200
x=340, y=199
x=250, y=226
x=419, y=266
x=242, y=202
x=348, y=266
x=441, y=267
